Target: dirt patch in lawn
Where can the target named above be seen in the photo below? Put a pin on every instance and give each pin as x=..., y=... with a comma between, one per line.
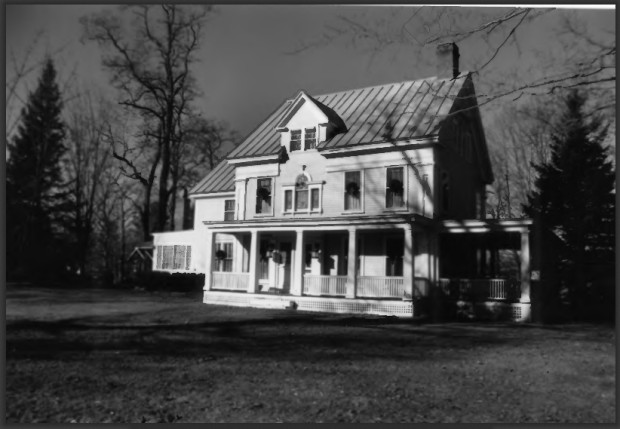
x=128, y=356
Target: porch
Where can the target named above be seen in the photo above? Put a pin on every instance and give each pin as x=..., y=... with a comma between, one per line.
x=381, y=263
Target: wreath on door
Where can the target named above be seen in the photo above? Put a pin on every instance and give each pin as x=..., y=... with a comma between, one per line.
x=220, y=254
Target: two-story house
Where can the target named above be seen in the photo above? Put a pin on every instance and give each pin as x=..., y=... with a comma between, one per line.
x=369, y=200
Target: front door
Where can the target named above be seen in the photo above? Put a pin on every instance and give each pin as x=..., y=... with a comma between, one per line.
x=284, y=268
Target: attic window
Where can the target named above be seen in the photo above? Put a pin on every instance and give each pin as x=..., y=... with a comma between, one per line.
x=310, y=138
x=295, y=140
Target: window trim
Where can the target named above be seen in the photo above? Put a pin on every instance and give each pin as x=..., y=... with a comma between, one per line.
x=405, y=205
x=362, y=193
x=272, y=182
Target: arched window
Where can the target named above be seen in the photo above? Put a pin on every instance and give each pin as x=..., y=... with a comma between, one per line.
x=303, y=196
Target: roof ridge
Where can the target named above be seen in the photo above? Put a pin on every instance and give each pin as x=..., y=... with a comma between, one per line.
x=433, y=78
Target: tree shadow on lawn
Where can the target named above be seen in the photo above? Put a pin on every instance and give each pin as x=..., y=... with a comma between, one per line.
x=285, y=336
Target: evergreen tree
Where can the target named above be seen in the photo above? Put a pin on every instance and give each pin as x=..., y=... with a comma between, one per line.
x=35, y=198
x=574, y=201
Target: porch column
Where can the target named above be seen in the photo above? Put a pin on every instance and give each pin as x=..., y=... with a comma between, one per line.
x=525, y=266
x=298, y=266
x=352, y=264
x=408, y=277
x=209, y=256
x=252, y=283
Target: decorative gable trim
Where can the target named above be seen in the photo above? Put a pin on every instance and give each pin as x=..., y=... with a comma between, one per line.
x=297, y=104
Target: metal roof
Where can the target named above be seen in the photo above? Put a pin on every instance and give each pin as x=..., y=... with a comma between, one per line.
x=404, y=110
x=412, y=109
x=220, y=179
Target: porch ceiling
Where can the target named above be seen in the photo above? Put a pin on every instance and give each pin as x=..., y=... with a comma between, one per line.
x=486, y=225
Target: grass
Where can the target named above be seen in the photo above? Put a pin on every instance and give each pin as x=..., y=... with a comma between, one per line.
x=122, y=356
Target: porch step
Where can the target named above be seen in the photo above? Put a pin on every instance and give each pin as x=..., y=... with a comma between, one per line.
x=397, y=308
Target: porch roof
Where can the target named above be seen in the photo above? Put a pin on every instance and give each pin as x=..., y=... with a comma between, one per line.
x=341, y=222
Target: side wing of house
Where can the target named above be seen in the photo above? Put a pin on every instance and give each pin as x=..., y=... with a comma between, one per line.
x=463, y=168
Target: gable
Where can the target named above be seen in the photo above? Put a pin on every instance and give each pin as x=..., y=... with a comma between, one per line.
x=466, y=109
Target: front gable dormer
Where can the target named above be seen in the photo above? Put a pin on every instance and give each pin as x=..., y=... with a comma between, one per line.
x=307, y=123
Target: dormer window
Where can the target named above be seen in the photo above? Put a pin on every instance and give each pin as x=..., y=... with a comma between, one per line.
x=295, y=140
x=310, y=138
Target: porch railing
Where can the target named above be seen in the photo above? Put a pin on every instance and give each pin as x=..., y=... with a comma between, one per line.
x=325, y=285
x=230, y=281
x=380, y=287
x=500, y=289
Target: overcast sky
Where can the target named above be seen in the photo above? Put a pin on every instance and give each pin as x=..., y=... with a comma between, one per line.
x=245, y=72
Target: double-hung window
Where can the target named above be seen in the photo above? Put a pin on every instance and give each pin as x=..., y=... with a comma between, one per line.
x=353, y=190
x=395, y=188
x=310, y=138
x=303, y=197
x=229, y=209
x=224, y=257
x=295, y=140
x=174, y=257
x=263, y=196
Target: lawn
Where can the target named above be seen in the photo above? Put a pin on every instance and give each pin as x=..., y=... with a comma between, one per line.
x=129, y=357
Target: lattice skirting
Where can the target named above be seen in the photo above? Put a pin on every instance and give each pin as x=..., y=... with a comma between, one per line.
x=516, y=312
x=325, y=305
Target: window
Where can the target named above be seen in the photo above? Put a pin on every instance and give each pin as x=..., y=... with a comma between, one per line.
x=229, y=209
x=353, y=190
x=445, y=192
x=223, y=257
x=310, y=138
x=303, y=196
x=295, y=140
x=394, y=188
x=177, y=257
x=394, y=249
x=301, y=193
x=263, y=196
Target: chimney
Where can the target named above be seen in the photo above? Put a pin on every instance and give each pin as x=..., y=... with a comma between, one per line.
x=448, y=60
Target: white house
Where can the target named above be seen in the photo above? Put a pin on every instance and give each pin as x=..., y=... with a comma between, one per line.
x=369, y=200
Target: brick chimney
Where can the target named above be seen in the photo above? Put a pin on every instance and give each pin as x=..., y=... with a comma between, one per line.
x=448, y=60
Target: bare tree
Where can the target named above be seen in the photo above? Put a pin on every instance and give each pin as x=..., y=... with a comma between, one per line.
x=204, y=144
x=87, y=160
x=150, y=64
x=585, y=61
x=519, y=137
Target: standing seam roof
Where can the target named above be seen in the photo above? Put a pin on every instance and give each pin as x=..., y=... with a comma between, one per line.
x=412, y=109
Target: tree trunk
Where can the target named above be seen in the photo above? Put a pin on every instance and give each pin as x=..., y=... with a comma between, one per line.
x=187, y=210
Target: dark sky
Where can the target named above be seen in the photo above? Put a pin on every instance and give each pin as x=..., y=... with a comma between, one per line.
x=244, y=71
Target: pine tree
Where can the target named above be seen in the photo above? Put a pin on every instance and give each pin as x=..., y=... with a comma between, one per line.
x=35, y=197
x=574, y=202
